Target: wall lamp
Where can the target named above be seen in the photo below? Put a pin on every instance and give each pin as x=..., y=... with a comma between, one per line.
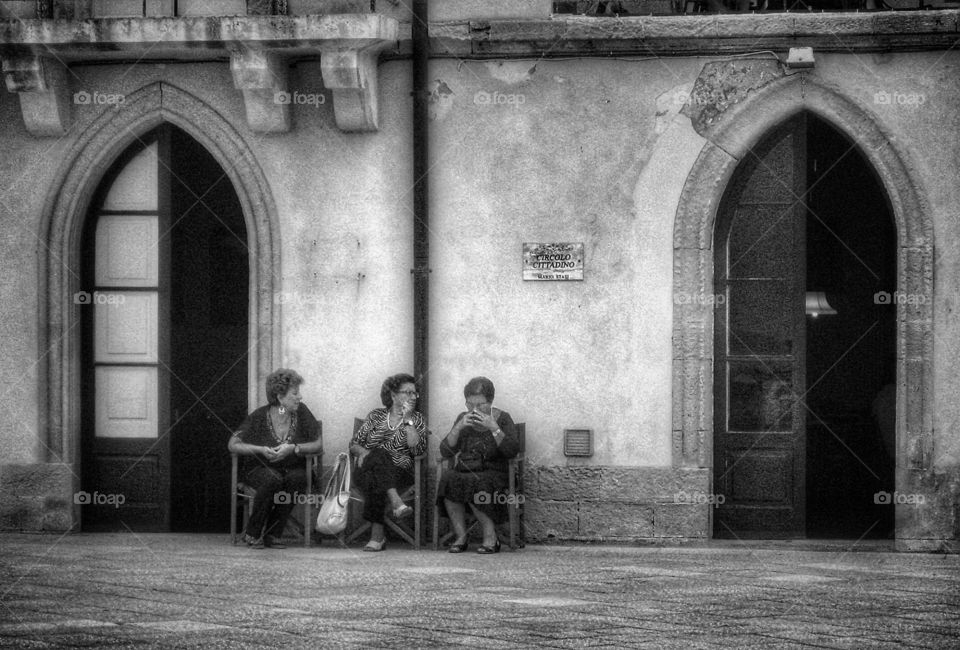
x=817, y=304
x=799, y=58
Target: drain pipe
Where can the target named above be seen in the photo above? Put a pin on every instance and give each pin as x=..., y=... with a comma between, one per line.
x=421, y=216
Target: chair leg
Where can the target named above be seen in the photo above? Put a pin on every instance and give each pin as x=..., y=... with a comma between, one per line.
x=358, y=531
x=306, y=523
x=233, y=500
x=417, y=514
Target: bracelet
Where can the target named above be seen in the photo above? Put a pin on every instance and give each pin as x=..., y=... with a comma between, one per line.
x=296, y=450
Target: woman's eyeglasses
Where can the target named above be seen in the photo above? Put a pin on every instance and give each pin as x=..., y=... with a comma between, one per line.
x=408, y=393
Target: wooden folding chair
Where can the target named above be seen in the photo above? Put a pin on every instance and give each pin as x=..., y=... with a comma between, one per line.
x=412, y=495
x=241, y=491
x=515, y=497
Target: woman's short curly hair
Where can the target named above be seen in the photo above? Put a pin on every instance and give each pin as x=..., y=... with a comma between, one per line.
x=479, y=386
x=392, y=384
x=279, y=382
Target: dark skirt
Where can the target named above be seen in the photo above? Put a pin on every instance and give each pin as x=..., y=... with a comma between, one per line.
x=486, y=491
x=377, y=475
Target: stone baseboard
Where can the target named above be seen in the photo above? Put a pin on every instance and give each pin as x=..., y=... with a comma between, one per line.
x=615, y=504
x=37, y=497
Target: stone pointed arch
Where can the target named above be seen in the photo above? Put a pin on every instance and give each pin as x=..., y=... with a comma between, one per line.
x=730, y=136
x=66, y=208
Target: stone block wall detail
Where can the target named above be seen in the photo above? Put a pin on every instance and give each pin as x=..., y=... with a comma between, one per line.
x=37, y=497
x=615, y=504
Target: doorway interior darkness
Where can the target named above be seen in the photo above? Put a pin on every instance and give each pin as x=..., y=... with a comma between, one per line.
x=202, y=321
x=851, y=356
x=804, y=406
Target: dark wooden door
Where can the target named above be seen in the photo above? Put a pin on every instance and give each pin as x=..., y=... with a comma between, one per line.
x=125, y=306
x=759, y=368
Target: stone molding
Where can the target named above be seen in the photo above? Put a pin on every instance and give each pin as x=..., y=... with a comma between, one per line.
x=44, y=93
x=698, y=35
x=729, y=137
x=352, y=76
x=259, y=48
x=262, y=78
x=61, y=226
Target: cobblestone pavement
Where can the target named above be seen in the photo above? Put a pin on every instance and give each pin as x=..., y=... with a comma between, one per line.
x=184, y=591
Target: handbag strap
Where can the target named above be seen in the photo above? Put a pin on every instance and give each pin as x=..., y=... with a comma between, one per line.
x=340, y=472
x=345, y=476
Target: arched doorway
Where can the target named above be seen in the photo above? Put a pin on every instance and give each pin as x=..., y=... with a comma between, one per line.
x=804, y=340
x=96, y=148
x=164, y=326
x=728, y=137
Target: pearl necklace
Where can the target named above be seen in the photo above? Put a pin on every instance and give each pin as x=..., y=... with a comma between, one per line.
x=399, y=424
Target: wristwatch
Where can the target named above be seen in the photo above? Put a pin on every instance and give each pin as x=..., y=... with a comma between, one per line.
x=296, y=450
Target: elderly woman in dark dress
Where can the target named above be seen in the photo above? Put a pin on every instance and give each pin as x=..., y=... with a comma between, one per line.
x=275, y=437
x=482, y=440
x=385, y=446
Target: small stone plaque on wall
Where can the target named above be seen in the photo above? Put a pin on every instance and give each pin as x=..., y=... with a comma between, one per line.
x=560, y=261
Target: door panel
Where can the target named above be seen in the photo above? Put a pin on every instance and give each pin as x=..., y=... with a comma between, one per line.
x=126, y=453
x=127, y=251
x=126, y=402
x=760, y=344
x=126, y=327
x=136, y=187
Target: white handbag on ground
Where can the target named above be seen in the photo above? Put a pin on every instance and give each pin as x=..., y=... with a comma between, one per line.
x=332, y=519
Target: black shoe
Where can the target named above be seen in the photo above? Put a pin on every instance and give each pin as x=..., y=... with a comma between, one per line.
x=457, y=548
x=253, y=542
x=486, y=550
x=270, y=542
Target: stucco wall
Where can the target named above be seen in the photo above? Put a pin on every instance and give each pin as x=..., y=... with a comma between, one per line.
x=27, y=166
x=546, y=151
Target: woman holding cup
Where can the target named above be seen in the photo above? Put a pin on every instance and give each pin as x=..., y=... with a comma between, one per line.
x=482, y=440
x=384, y=447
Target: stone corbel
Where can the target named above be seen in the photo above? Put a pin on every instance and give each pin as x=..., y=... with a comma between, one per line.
x=261, y=75
x=41, y=84
x=351, y=75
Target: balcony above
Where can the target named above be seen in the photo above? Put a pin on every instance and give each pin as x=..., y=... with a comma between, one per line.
x=36, y=54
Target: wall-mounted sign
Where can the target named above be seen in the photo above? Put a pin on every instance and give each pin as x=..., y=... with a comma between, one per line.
x=562, y=261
